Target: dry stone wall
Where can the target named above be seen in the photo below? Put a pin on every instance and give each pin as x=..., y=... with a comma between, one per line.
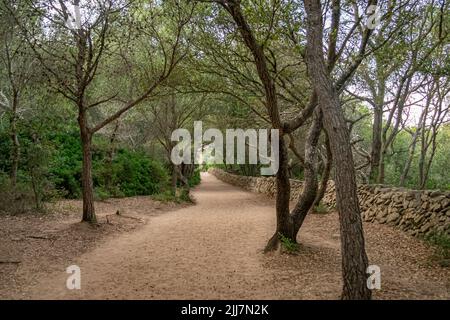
x=417, y=212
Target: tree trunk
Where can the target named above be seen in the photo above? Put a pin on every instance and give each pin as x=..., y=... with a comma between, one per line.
x=285, y=225
x=381, y=167
x=174, y=180
x=288, y=224
x=412, y=150
x=110, y=157
x=309, y=192
x=426, y=167
x=325, y=174
x=375, y=156
x=87, y=184
x=15, y=152
x=424, y=145
x=284, y=220
x=354, y=258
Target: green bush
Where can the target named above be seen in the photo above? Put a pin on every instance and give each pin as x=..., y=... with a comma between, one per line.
x=130, y=173
x=168, y=196
x=54, y=168
x=100, y=193
x=134, y=173
x=289, y=245
x=5, y=151
x=165, y=196
x=65, y=168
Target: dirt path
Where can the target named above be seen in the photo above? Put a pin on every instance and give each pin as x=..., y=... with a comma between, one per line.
x=213, y=251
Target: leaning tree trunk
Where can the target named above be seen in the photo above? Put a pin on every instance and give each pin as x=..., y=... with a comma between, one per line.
x=87, y=184
x=309, y=192
x=407, y=167
x=427, y=167
x=288, y=224
x=354, y=258
x=285, y=222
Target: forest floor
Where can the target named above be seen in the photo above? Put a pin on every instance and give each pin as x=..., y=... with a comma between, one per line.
x=211, y=250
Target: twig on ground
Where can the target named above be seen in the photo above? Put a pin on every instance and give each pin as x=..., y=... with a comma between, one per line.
x=9, y=262
x=41, y=237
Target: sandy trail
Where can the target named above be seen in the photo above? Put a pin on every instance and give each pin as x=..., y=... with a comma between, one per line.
x=213, y=251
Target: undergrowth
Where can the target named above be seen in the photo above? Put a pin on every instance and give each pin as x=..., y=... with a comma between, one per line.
x=287, y=244
x=320, y=208
x=168, y=196
x=441, y=242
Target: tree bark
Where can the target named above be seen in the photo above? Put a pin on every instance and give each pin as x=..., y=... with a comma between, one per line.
x=87, y=184
x=381, y=166
x=325, y=174
x=412, y=150
x=284, y=220
x=375, y=156
x=354, y=258
x=110, y=157
x=289, y=223
x=309, y=192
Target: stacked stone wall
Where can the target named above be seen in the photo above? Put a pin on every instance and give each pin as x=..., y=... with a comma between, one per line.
x=417, y=212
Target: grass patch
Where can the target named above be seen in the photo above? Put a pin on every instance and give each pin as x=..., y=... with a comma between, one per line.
x=287, y=244
x=320, y=208
x=167, y=196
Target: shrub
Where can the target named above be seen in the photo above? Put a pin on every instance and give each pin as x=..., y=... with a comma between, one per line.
x=165, y=196
x=135, y=174
x=53, y=168
x=65, y=169
x=195, y=179
x=100, y=193
x=320, y=208
x=15, y=200
x=184, y=196
x=129, y=174
x=168, y=196
x=289, y=245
